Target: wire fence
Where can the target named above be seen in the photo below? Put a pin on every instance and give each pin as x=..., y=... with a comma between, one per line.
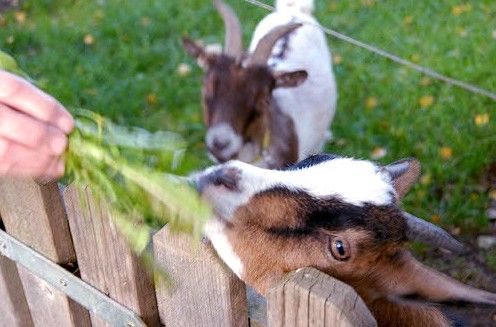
x=383, y=53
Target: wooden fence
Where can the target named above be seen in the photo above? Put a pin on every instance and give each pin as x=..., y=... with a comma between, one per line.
x=61, y=265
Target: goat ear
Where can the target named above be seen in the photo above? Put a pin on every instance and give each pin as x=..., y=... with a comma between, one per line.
x=290, y=79
x=196, y=51
x=407, y=277
x=404, y=174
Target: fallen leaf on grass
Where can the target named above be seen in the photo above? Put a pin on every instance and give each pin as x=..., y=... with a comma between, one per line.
x=460, y=9
x=415, y=58
x=492, y=195
x=446, y=152
x=89, y=39
x=436, y=219
x=426, y=101
x=408, y=20
x=481, y=119
x=20, y=17
x=151, y=99
x=425, y=81
x=371, y=102
x=368, y=3
x=378, y=153
x=425, y=179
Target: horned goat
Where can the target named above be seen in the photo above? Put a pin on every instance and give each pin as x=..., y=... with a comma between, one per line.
x=338, y=215
x=274, y=104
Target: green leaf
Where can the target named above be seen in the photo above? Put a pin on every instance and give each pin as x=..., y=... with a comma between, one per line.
x=9, y=64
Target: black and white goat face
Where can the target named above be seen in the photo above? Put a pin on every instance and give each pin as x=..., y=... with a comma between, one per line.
x=230, y=186
x=339, y=215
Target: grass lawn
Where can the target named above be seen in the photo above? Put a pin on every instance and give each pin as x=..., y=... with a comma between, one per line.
x=120, y=58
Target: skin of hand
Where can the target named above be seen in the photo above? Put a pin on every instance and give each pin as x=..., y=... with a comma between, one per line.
x=33, y=130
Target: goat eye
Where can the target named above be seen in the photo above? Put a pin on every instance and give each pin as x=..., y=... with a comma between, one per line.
x=340, y=249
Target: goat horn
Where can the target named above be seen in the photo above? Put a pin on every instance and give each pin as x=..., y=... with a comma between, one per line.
x=425, y=232
x=233, y=44
x=264, y=47
x=404, y=174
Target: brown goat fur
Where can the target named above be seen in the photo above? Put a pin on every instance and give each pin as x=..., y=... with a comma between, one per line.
x=282, y=242
x=240, y=95
x=274, y=222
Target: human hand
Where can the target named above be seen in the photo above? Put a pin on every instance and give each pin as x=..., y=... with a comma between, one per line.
x=33, y=130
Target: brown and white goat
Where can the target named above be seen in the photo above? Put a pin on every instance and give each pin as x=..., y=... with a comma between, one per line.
x=274, y=104
x=341, y=216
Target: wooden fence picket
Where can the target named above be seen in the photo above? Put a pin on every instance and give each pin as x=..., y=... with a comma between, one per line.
x=116, y=286
x=14, y=308
x=204, y=291
x=311, y=298
x=35, y=215
x=106, y=261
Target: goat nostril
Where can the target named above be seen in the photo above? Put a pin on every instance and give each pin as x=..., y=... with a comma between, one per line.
x=228, y=177
x=220, y=144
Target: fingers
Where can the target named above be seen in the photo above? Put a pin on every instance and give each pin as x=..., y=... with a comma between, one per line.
x=30, y=132
x=19, y=94
x=19, y=160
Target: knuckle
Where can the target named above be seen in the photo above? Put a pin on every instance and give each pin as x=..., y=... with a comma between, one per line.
x=52, y=108
x=10, y=85
x=4, y=119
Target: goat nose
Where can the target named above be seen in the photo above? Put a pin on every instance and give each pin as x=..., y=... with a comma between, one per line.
x=228, y=177
x=220, y=144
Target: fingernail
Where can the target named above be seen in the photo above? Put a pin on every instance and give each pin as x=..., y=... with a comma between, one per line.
x=66, y=124
x=58, y=144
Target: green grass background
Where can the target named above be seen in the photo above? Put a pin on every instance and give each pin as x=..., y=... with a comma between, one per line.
x=129, y=74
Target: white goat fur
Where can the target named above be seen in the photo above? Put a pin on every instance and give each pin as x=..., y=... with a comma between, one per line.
x=311, y=105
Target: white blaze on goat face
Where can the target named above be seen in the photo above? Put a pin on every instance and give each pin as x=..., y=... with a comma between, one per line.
x=353, y=181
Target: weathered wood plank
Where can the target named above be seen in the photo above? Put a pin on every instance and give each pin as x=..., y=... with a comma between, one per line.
x=14, y=310
x=66, y=282
x=205, y=291
x=105, y=260
x=311, y=298
x=35, y=215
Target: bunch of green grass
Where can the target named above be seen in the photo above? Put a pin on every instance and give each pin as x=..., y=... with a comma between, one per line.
x=119, y=165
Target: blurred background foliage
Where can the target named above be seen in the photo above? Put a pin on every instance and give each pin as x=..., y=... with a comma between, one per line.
x=124, y=59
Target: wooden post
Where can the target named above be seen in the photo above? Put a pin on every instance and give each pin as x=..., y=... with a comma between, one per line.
x=106, y=261
x=35, y=215
x=311, y=298
x=204, y=291
x=14, y=310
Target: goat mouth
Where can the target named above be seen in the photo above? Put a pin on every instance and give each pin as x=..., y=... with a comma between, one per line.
x=223, y=220
x=219, y=158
